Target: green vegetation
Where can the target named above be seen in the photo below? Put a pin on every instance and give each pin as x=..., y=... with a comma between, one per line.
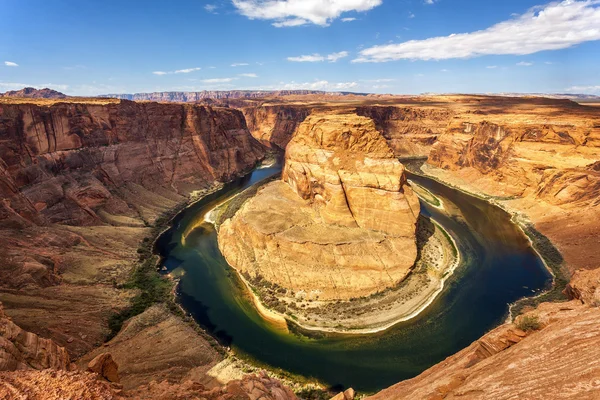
x=151, y=287
x=529, y=323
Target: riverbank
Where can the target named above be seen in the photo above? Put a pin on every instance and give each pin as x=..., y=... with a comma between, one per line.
x=437, y=260
x=543, y=247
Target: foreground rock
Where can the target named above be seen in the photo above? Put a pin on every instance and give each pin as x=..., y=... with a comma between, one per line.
x=106, y=367
x=560, y=361
x=341, y=223
x=22, y=350
x=157, y=346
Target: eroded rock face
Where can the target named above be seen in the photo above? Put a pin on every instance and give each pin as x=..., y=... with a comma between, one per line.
x=275, y=124
x=81, y=182
x=66, y=162
x=106, y=367
x=340, y=224
x=344, y=166
x=409, y=131
x=559, y=361
x=21, y=350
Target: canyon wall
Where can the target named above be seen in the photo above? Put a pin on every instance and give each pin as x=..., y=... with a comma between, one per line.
x=275, y=124
x=66, y=163
x=185, y=97
x=81, y=185
x=539, y=160
x=410, y=131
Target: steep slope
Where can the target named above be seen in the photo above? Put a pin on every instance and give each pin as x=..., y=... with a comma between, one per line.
x=81, y=183
x=560, y=361
x=410, y=131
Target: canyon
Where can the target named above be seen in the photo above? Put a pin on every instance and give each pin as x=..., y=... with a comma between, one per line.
x=83, y=182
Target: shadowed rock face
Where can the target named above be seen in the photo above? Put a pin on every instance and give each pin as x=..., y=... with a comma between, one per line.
x=21, y=350
x=342, y=221
x=275, y=125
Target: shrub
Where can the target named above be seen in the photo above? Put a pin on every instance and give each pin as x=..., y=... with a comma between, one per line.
x=529, y=323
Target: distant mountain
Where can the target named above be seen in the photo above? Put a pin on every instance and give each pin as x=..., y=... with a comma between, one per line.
x=568, y=96
x=184, y=97
x=34, y=93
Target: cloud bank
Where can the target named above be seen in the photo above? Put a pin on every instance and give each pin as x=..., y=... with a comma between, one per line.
x=333, y=57
x=288, y=13
x=554, y=26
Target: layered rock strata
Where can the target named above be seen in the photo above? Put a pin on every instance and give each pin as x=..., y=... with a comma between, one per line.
x=340, y=224
x=556, y=358
x=22, y=350
x=81, y=182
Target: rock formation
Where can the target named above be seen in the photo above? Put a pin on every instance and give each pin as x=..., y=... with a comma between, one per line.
x=21, y=350
x=409, y=131
x=275, y=124
x=538, y=157
x=106, y=367
x=557, y=362
x=340, y=224
x=185, y=97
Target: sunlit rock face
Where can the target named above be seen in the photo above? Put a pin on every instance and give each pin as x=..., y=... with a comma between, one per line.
x=344, y=166
x=341, y=222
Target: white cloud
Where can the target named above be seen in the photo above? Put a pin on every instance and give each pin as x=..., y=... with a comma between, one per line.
x=348, y=19
x=179, y=71
x=290, y=22
x=411, y=15
x=555, y=26
x=211, y=8
x=187, y=70
x=524, y=64
x=10, y=64
x=444, y=70
x=429, y=1
x=249, y=75
x=300, y=12
x=218, y=80
x=308, y=58
x=316, y=57
x=333, y=57
x=321, y=85
x=239, y=64
x=492, y=67
x=584, y=89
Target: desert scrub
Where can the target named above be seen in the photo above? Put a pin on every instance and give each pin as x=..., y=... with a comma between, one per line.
x=529, y=323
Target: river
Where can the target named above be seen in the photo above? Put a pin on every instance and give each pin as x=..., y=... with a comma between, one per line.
x=498, y=267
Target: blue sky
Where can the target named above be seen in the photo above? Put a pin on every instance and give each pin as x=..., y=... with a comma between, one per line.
x=382, y=46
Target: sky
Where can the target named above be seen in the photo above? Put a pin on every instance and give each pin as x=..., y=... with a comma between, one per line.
x=376, y=46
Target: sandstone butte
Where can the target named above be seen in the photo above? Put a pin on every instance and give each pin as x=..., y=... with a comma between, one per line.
x=341, y=222
x=81, y=179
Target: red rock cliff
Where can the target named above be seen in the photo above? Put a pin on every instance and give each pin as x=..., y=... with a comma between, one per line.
x=66, y=162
